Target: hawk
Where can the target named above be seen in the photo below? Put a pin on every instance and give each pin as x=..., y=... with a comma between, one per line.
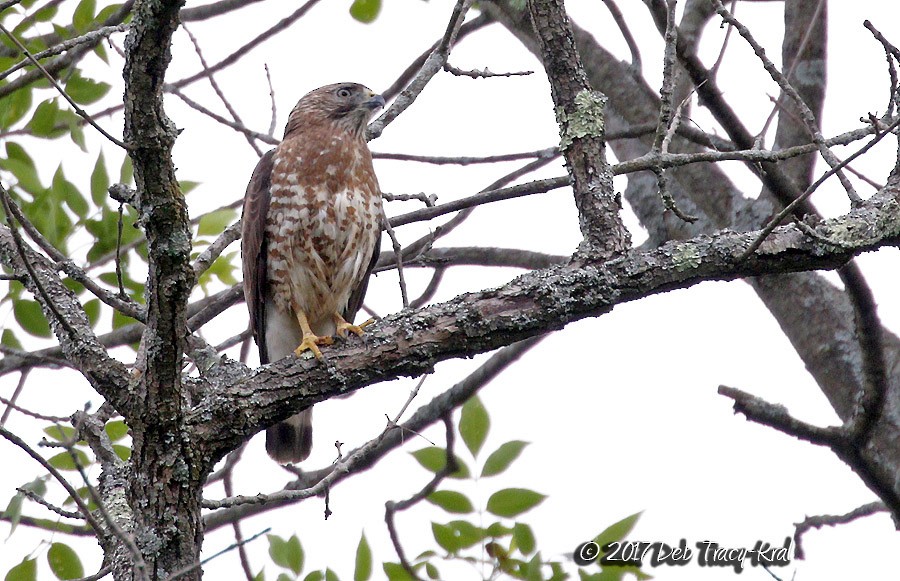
x=311, y=233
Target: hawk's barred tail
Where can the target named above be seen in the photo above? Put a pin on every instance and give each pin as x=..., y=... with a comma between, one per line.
x=291, y=440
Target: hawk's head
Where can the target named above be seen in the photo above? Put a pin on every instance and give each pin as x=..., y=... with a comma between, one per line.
x=348, y=106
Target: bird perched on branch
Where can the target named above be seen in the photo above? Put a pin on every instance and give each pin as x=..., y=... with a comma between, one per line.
x=311, y=235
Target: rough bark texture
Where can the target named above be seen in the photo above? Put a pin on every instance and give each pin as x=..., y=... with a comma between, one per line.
x=816, y=316
x=181, y=427
x=579, y=113
x=166, y=479
x=409, y=344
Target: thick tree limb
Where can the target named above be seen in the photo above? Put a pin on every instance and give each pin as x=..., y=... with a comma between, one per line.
x=409, y=344
x=579, y=113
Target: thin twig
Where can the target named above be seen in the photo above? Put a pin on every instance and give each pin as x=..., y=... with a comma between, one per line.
x=391, y=507
x=531, y=188
x=11, y=402
x=432, y=65
x=548, y=152
x=620, y=21
x=236, y=527
x=103, y=572
x=123, y=304
x=50, y=506
x=806, y=114
x=231, y=547
x=69, y=44
x=274, y=119
x=85, y=511
x=247, y=132
x=137, y=558
x=398, y=255
x=484, y=74
x=279, y=26
x=48, y=303
x=214, y=250
x=215, y=87
x=788, y=209
x=368, y=454
x=666, y=125
x=807, y=35
x=831, y=520
x=81, y=112
x=430, y=290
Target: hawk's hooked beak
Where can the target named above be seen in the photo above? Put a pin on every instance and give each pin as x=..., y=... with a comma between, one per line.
x=374, y=102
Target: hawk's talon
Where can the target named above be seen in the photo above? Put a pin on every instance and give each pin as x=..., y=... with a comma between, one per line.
x=311, y=343
x=343, y=326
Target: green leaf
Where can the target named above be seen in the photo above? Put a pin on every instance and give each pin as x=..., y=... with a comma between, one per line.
x=501, y=458
x=286, y=553
x=43, y=122
x=64, y=461
x=84, y=15
x=434, y=459
x=46, y=13
x=466, y=533
x=116, y=430
x=48, y=216
x=362, y=571
x=107, y=12
x=497, y=530
x=284, y=577
x=214, y=223
x=123, y=452
x=14, y=106
x=618, y=530
x=92, y=310
x=261, y=576
x=24, y=571
x=14, y=509
x=187, y=186
x=330, y=575
x=64, y=562
x=16, y=151
x=60, y=433
x=25, y=173
x=474, y=424
x=126, y=172
x=396, y=572
x=445, y=537
x=85, y=91
x=451, y=501
x=523, y=538
x=366, y=11
x=62, y=189
x=99, y=181
x=10, y=340
x=314, y=576
x=31, y=318
x=511, y=502
x=432, y=571
x=76, y=133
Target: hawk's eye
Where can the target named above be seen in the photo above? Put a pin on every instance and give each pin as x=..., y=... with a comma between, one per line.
x=343, y=93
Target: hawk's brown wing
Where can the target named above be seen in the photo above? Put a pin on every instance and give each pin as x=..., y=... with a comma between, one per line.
x=253, y=248
x=359, y=293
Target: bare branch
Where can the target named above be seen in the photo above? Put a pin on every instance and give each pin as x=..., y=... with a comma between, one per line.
x=832, y=520
x=806, y=114
x=81, y=112
x=430, y=67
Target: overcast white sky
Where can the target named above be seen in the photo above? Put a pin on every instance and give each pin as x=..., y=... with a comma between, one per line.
x=622, y=411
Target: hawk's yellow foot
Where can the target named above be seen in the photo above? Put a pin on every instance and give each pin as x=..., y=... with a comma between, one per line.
x=343, y=326
x=310, y=340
